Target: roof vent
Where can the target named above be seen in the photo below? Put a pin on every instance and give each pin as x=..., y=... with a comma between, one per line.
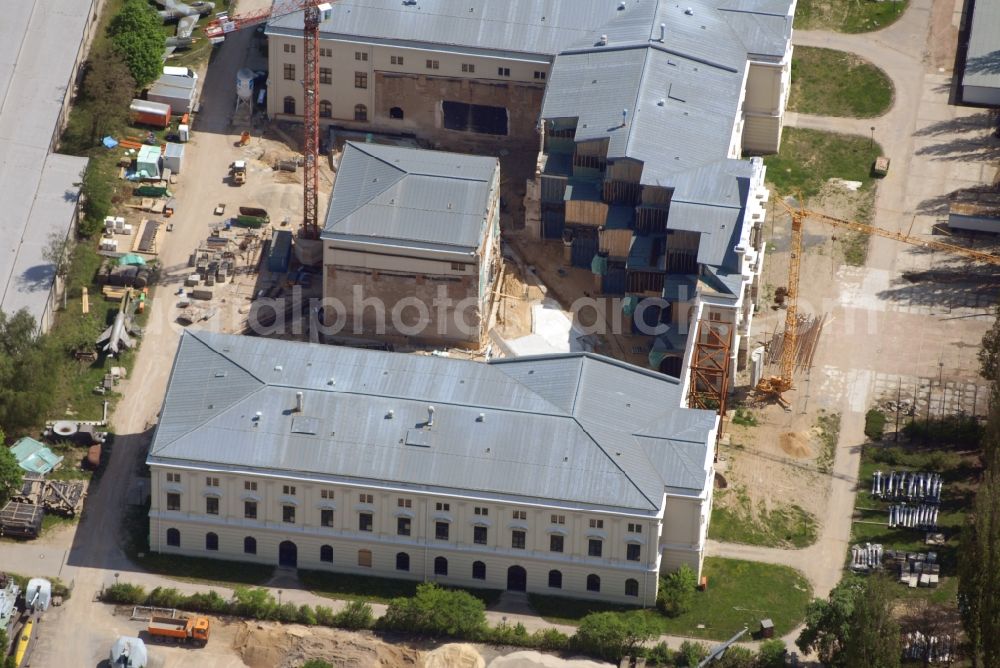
x=277, y=367
x=389, y=414
x=621, y=6
x=299, y=402
x=603, y=41
x=663, y=32
x=661, y=102
x=689, y=11
x=331, y=381
x=409, y=3
x=430, y=416
x=481, y=418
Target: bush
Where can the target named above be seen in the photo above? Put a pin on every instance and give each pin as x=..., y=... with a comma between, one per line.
x=124, y=593
x=210, y=602
x=505, y=634
x=953, y=430
x=660, y=655
x=771, y=654
x=287, y=613
x=690, y=653
x=96, y=191
x=256, y=603
x=165, y=597
x=435, y=611
x=612, y=635
x=307, y=616
x=551, y=640
x=316, y=663
x=325, y=616
x=874, y=424
x=676, y=595
x=355, y=616
x=736, y=657
x=136, y=35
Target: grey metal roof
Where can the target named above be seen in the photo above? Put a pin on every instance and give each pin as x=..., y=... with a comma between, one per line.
x=540, y=27
x=982, y=60
x=39, y=40
x=406, y=196
x=764, y=26
x=575, y=428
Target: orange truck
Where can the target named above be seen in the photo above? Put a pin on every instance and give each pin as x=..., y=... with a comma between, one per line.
x=194, y=630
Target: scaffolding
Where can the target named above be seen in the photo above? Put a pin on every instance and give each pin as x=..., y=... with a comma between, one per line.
x=710, y=366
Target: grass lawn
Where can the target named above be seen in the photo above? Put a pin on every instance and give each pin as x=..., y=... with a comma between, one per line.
x=836, y=83
x=739, y=593
x=847, y=15
x=959, y=470
x=783, y=526
x=352, y=587
x=808, y=158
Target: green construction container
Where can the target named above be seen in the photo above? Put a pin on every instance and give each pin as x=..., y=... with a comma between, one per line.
x=151, y=191
x=253, y=222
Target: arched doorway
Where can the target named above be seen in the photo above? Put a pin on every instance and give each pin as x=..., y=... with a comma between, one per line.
x=517, y=579
x=288, y=554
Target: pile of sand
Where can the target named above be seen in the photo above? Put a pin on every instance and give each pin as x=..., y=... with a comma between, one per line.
x=263, y=645
x=455, y=655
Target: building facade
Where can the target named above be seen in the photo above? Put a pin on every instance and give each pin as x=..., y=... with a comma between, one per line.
x=449, y=73
x=535, y=474
x=411, y=245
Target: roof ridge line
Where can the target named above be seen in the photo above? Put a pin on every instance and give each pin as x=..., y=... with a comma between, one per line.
x=618, y=466
x=365, y=203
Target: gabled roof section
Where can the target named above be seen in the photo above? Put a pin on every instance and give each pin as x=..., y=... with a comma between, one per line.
x=565, y=428
x=405, y=196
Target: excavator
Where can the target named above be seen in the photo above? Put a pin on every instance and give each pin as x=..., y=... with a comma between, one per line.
x=772, y=388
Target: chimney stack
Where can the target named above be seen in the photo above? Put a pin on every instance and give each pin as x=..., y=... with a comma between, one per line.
x=299, y=402
x=430, y=416
x=663, y=32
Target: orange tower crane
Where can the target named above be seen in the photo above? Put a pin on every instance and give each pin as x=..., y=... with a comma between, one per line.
x=314, y=12
x=775, y=386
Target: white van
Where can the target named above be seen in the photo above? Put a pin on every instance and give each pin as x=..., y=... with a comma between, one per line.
x=181, y=72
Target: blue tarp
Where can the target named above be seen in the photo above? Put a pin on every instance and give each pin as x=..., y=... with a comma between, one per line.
x=34, y=457
x=109, y=142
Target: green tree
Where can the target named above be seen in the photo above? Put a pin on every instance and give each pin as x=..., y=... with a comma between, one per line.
x=108, y=88
x=875, y=639
x=676, y=595
x=355, y=615
x=736, y=656
x=989, y=352
x=135, y=33
x=828, y=623
x=28, y=373
x=435, y=611
x=771, y=654
x=96, y=191
x=612, y=635
x=691, y=653
x=979, y=556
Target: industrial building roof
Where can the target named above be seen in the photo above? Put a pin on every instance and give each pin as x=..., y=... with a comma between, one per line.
x=982, y=59
x=574, y=429
x=39, y=41
x=411, y=197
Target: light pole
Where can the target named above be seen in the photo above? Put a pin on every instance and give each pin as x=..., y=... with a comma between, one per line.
x=116, y=578
x=871, y=142
x=279, y=597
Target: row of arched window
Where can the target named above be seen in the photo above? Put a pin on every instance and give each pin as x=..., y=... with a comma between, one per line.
x=326, y=110
x=402, y=562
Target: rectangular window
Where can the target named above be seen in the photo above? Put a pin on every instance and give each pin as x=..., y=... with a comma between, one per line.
x=594, y=547
x=559, y=519
x=211, y=505
x=555, y=543
x=596, y=524
x=361, y=80
x=289, y=48
x=288, y=514
x=173, y=501
x=250, y=510
x=288, y=490
x=360, y=55
x=539, y=75
x=289, y=72
x=173, y=477
x=325, y=75
x=441, y=530
x=714, y=316
x=634, y=528
x=249, y=486
x=403, y=526
x=326, y=517
x=520, y=514
x=482, y=511
x=404, y=503
x=211, y=482
x=326, y=494
x=517, y=540
x=366, y=498
x=458, y=266
x=479, y=535
x=396, y=60
x=325, y=53
x=469, y=67
x=364, y=521
x=433, y=65
x=503, y=71
x=632, y=551
x=444, y=507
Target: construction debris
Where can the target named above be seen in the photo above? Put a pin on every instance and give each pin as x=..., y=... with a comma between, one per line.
x=867, y=557
x=913, y=517
x=908, y=485
x=64, y=497
x=931, y=649
x=21, y=520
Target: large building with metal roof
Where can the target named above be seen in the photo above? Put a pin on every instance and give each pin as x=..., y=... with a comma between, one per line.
x=41, y=46
x=569, y=474
x=981, y=72
x=411, y=244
